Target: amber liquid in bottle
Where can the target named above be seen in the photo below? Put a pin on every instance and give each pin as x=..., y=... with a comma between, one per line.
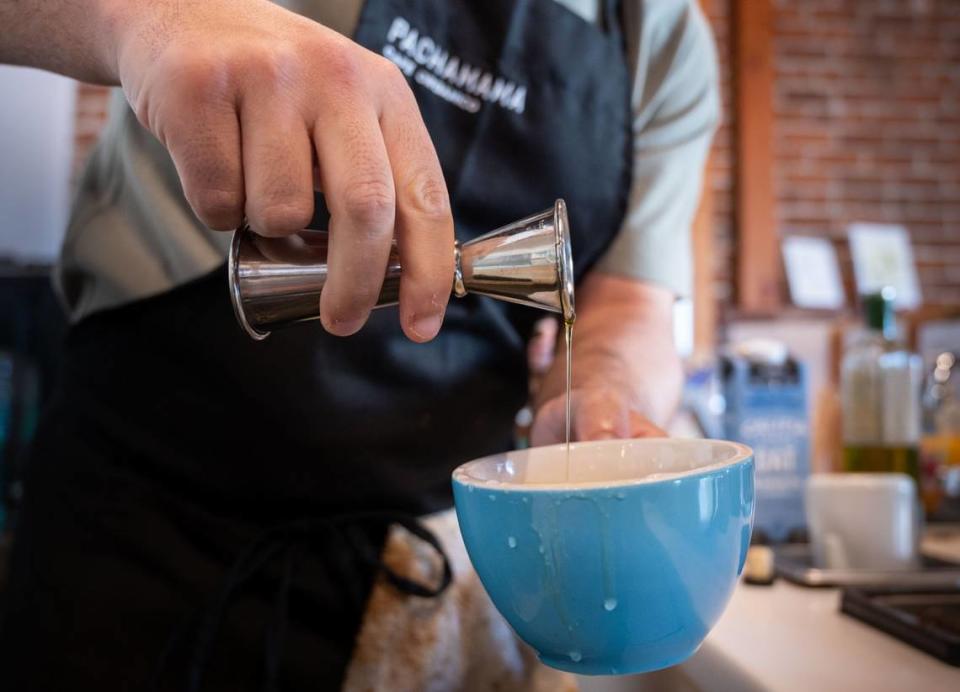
x=880, y=391
x=882, y=459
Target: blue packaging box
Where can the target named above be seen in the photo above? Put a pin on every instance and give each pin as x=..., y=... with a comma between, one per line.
x=766, y=409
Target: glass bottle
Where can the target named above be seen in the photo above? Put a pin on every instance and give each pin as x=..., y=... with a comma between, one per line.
x=940, y=446
x=881, y=383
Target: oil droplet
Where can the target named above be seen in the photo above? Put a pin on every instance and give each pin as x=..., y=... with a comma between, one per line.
x=541, y=549
x=511, y=541
x=525, y=500
x=493, y=498
x=606, y=566
x=621, y=496
x=469, y=488
x=614, y=671
x=575, y=656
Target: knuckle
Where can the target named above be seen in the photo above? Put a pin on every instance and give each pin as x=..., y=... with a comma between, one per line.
x=392, y=75
x=184, y=87
x=219, y=209
x=184, y=83
x=197, y=74
x=370, y=203
x=277, y=67
x=427, y=195
x=342, y=66
x=282, y=218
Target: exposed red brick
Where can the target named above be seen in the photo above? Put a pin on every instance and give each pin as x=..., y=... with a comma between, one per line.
x=91, y=114
x=867, y=104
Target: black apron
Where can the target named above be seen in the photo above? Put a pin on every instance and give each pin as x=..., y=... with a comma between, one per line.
x=175, y=441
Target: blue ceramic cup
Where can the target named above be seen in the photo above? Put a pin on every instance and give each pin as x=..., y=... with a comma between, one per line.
x=624, y=566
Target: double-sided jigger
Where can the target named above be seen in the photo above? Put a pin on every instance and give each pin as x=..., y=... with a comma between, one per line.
x=277, y=282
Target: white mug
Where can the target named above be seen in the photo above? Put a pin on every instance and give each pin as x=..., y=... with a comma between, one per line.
x=863, y=521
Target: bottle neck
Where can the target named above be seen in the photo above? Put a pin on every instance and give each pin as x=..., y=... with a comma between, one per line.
x=880, y=317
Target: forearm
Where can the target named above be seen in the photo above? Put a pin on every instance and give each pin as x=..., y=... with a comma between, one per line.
x=623, y=338
x=72, y=37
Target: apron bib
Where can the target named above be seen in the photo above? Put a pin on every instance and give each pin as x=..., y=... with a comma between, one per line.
x=175, y=439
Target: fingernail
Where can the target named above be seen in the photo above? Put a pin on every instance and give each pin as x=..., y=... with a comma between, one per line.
x=343, y=327
x=426, y=326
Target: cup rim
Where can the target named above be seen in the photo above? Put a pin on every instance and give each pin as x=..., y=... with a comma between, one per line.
x=464, y=476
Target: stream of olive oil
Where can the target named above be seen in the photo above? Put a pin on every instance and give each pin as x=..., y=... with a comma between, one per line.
x=568, y=335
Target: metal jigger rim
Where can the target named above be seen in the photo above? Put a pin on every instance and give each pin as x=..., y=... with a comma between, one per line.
x=561, y=226
x=233, y=268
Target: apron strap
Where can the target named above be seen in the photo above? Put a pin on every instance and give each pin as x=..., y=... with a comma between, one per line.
x=610, y=16
x=410, y=586
x=288, y=541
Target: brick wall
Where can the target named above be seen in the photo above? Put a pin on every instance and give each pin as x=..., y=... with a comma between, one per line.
x=867, y=128
x=723, y=157
x=91, y=115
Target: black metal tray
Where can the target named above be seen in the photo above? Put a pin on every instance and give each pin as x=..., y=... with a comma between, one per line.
x=928, y=619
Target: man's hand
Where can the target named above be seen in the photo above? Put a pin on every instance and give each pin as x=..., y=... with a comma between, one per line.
x=254, y=102
x=626, y=372
x=597, y=413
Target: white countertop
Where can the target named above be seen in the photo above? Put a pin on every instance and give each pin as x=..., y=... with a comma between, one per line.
x=787, y=638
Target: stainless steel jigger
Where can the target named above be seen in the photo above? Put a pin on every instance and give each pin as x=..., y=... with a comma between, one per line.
x=277, y=282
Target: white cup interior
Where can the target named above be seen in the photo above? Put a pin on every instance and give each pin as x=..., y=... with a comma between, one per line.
x=603, y=463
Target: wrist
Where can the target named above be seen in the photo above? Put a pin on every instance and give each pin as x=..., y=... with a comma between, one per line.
x=114, y=19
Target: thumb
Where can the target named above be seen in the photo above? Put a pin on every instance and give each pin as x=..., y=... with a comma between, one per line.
x=601, y=415
x=641, y=426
